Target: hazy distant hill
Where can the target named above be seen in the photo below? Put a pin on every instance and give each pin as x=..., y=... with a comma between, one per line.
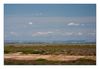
x=40, y=42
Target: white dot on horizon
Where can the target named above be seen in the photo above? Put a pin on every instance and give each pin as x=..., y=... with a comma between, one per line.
x=30, y=23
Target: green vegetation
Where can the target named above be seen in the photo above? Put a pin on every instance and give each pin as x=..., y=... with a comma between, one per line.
x=41, y=59
x=51, y=49
x=80, y=61
x=74, y=49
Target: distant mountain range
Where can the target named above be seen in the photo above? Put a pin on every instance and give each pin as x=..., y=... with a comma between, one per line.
x=40, y=42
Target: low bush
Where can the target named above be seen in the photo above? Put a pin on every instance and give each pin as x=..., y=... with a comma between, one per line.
x=33, y=52
x=40, y=59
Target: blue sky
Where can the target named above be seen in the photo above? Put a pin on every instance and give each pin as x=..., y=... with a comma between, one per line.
x=50, y=22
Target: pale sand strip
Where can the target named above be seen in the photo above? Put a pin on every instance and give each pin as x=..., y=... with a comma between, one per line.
x=47, y=57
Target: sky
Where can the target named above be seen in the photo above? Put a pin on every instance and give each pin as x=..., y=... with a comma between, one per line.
x=50, y=22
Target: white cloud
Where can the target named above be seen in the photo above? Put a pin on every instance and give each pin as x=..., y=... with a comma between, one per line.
x=44, y=33
x=72, y=33
x=54, y=33
x=67, y=33
x=63, y=33
x=30, y=23
x=79, y=20
x=79, y=33
x=73, y=24
x=41, y=33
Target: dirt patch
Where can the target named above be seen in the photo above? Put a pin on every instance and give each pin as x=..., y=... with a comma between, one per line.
x=47, y=57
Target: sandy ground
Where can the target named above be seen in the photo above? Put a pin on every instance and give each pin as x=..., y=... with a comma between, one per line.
x=47, y=57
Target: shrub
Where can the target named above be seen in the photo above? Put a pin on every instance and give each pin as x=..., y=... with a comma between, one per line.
x=6, y=51
x=40, y=59
x=33, y=52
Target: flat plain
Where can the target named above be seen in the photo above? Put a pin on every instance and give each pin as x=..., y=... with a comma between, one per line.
x=50, y=54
